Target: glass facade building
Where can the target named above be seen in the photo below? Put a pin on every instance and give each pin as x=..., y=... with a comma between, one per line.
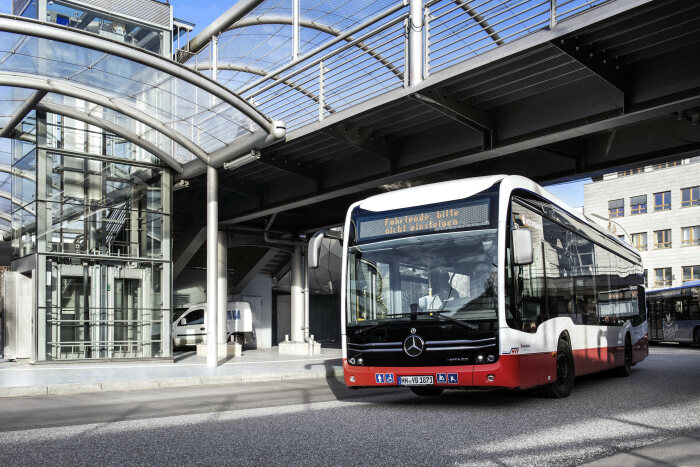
x=91, y=220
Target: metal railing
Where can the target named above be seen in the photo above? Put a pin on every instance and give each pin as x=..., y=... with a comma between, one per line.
x=373, y=58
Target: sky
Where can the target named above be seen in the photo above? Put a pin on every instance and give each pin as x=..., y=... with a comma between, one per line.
x=204, y=12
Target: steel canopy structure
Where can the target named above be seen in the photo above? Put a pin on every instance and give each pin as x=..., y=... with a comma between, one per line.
x=160, y=101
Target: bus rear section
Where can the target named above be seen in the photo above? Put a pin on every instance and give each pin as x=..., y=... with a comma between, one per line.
x=502, y=288
x=674, y=314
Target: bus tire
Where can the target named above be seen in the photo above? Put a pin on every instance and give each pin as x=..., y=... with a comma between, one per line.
x=426, y=392
x=626, y=369
x=565, y=371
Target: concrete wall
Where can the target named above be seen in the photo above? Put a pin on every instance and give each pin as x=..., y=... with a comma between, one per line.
x=191, y=282
x=284, y=316
x=597, y=195
x=259, y=293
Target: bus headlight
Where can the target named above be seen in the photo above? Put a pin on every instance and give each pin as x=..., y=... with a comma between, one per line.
x=352, y=379
x=360, y=361
x=490, y=358
x=351, y=360
x=480, y=359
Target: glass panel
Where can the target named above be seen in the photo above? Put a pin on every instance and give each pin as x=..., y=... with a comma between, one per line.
x=662, y=277
x=690, y=196
x=24, y=180
x=453, y=273
x=109, y=310
x=662, y=239
x=691, y=273
x=639, y=241
x=690, y=236
x=108, y=26
x=616, y=208
x=662, y=201
x=24, y=230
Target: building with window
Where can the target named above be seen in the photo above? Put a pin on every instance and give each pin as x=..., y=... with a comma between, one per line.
x=657, y=209
x=91, y=215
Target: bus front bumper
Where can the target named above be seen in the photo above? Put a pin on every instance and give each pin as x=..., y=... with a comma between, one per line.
x=509, y=371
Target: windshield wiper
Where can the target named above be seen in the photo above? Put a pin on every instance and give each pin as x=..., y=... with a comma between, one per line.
x=374, y=326
x=439, y=315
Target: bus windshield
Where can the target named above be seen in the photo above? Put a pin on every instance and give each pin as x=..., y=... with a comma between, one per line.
x=452, y=274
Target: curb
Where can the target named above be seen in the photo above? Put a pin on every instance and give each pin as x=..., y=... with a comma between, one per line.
x=136, y=385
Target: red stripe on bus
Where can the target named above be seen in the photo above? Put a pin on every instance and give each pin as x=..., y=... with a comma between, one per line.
x=510, y=371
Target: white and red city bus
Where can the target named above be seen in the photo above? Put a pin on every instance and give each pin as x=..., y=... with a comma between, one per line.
x=481, y=283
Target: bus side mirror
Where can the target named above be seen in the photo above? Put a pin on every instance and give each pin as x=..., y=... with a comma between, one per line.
x=314, y=250
x=522, y=247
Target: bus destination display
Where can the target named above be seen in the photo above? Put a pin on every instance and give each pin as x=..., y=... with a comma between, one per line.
x=459, y=216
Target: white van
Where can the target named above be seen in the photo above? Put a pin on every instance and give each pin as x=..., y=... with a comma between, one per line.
x=189, y=325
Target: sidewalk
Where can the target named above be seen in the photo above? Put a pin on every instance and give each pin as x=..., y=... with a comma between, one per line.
x=22, y=379
x=682, y=451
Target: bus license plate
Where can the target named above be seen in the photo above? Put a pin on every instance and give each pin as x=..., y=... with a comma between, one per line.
x=415, y=380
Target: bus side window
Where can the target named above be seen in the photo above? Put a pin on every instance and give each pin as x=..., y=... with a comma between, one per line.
x=529, y=279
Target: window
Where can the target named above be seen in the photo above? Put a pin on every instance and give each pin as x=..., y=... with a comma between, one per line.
x=638, y=204
x=628, y=172
x=665, y=165
x=193, y=317
x=690, y=236
x=662, y=201
x=639, y=241
x=616, y=208
x=690, y=196
x=662, y=277
x=691, y=273
x=662, y=239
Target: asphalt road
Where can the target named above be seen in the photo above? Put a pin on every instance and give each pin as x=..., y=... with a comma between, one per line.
x=321, y=422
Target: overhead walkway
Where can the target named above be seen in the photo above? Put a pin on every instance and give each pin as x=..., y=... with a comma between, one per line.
x=550, y=90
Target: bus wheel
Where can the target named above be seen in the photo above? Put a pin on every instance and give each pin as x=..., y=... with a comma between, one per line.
x=565, y=371
x=426, y=392
x=626, y=369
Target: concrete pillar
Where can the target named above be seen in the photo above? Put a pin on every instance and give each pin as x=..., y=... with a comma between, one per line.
x=222, y=287
x=297, y=296
x=305, y=263
x=212, y=264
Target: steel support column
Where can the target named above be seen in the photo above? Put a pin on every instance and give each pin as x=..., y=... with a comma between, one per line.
x=212, y=264
x=222, y=287
x=297, y=296
x=415, y=42
x=295, y=29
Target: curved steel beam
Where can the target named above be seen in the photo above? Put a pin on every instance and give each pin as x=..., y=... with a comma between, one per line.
x=21, y=112
x=68, y=88
x=221, y=24
x=318, y=27
x=258, y=71
x=5, y=216
x=4, y=168
x=33, y=28
x=113, y=128
x=480, y=21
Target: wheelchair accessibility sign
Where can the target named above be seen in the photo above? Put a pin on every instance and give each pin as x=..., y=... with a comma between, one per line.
x=384, y=378
x=441, y=378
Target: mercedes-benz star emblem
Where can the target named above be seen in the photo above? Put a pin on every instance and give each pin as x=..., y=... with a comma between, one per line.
x=413, y=345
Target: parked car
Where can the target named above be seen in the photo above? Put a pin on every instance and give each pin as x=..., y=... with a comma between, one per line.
x=190, y=324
